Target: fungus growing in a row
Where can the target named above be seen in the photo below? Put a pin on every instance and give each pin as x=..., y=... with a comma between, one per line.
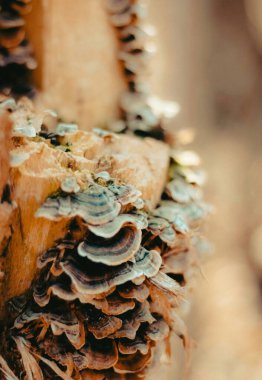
x=100, y=282
x=106, y=292
x=143, y=114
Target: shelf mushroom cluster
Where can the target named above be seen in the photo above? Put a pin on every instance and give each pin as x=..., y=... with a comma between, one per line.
x=107, y=294
x=143, y=113
x=96, y=303
x=175, y=226
x=16, y=58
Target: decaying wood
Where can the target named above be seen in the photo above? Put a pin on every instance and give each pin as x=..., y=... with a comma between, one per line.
x=141, y=163
x=127, y=158
x=76, y=50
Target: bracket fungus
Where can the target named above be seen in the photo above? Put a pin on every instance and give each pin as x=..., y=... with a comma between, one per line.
x=103, y=238
x=106, y=285
x=143, y=114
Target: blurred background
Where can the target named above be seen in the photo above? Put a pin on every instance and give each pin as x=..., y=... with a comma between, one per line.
x=210, y=61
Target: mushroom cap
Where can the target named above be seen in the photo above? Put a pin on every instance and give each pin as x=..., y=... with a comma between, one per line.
x=194, y=176
x=133, y=363
x=47, y=257
x=158, y=330
x=101, y=325
x=171, y=211
x=128, y=346
x=137, y=292
x=110, y=302
x=110, y=229
x=70, y=185
x=183, y=192
x=113, y=251
x=125, y=194
x=48, y=285
x=59, y=317
x=57, y=349
x=95, y=205
x=91, y=278
x=113, y=304
x=168, y=235
x=157, y=224
x=185, y=157
x=97, y=355
x=132, y=320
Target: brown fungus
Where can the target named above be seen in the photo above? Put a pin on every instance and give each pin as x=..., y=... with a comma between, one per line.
x=102, y=326
x=57, y=350
x=133, y=363
x=113, y=251
x=113, y=304
x=110, y=229
x=96, y=205
x=97, y=355
x=60, y=321
x=128, y=346
x=95, y=279
x=131, y=321
x=132, y=291
x=158, y=330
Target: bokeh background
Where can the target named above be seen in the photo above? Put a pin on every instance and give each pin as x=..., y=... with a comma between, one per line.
x=210, y=61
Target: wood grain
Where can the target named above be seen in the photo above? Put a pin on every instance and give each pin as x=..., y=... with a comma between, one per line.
x=78, y=71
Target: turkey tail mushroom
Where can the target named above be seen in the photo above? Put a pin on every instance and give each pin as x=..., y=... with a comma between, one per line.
x=114, y=262
x=143, y=113
x=112, y=251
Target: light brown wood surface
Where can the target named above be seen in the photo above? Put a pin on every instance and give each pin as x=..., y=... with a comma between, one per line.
x=76, y=47
x=126, y=158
